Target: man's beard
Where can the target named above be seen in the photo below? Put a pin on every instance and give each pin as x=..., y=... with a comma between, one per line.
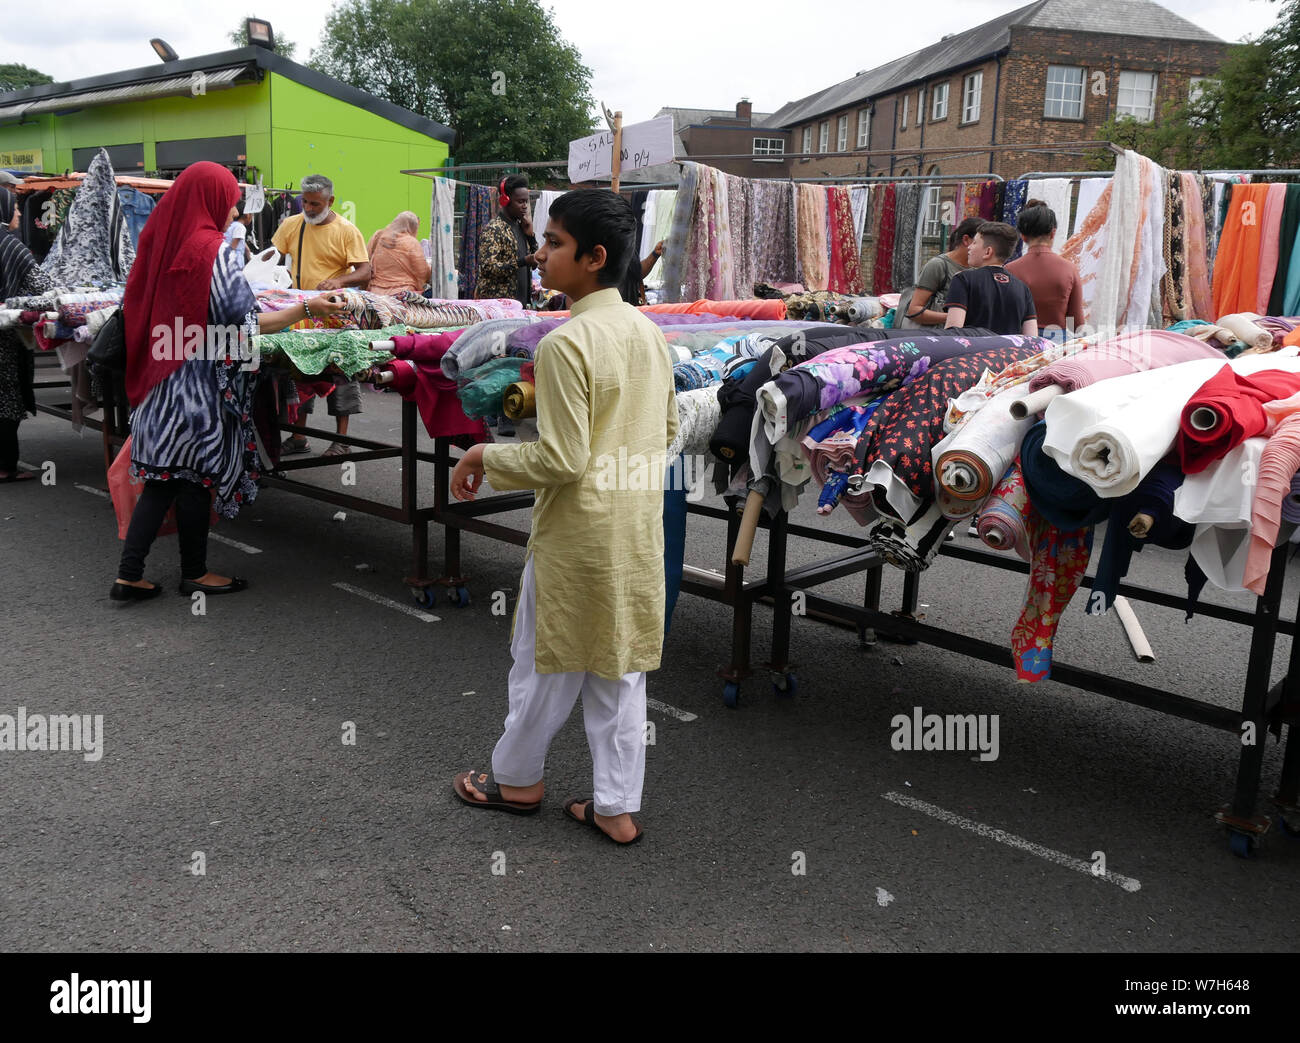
x=319, y=219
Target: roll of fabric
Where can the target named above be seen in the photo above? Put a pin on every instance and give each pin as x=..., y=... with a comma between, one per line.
x=1153, y=499
x=478, y=344
x=1291, y=503
x=1111, y=434
x=482, y=391
x=1128, y=353
x=697, y=418
x=520, y=400
x=864, y=309
x=1244, y=327
x=1225, y=411
x=969, y=461
x=1062, y=499
x=1001, y=523
x=882, y=277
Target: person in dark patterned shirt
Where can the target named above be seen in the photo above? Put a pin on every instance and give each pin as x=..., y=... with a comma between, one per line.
x=508, y=245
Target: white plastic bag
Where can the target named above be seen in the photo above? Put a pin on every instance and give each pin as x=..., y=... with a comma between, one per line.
x=265, y=270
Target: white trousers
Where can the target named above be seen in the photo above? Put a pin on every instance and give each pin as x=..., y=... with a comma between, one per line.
x=613, y=712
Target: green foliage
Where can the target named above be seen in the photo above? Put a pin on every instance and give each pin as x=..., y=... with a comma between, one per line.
x=1247, y=117
x=16, y=77
x=496, y=71
x=284, y=48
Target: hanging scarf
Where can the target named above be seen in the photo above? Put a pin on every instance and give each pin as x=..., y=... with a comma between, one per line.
x=1196, y=273
x=882, y=276
x=93, y=247
x=812, y=237
x=846, y=268
x=774, y=232
x=478, y=214
x=171, y=281
x=907, y=209
x=675, y=259
x=740, y=207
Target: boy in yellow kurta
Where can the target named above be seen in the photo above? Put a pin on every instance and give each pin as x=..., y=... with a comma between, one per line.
x=590, y=618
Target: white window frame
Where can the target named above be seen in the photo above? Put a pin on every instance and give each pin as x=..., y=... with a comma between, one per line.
x=770, y=147
x=1059, y=101
x=864, y=127
x=932, y=227
x=907, y=98
x=939, y=103
x=1195, y=88
x=1135, y=90
x=972, y=90
x=807, y=140
x=824, y=136
x=842, y=134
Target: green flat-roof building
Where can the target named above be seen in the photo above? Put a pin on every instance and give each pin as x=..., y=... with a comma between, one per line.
x=248, y=109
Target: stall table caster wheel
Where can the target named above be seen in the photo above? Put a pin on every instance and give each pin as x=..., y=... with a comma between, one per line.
x=459, y=596
x=785, y=684
x=1287, y=828
x=425, y=597
x=731, y=694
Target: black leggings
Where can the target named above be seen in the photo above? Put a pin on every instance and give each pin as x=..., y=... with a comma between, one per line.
x=8, y=445
x=193, y=508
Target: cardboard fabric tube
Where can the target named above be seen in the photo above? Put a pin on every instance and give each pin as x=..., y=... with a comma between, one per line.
x=1035, y=402
x=1136, y=638
x=748, y=526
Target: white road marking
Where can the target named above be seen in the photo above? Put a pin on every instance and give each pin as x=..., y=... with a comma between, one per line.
x=1011, y=840
x=23, y=465
x=671, y=711
x=234, y=543
x=427, y=617
x=93, y=491
x=883, y=897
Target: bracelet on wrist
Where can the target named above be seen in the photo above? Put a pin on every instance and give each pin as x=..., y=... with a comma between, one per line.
x=307, y=311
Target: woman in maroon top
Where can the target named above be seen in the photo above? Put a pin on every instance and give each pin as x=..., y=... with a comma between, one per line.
x=1054, y=281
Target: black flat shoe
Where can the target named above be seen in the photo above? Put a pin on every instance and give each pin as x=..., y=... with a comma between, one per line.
x=188, y=586
x=123, y=592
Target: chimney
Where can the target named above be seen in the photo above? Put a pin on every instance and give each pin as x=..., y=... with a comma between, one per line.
x=744, y=110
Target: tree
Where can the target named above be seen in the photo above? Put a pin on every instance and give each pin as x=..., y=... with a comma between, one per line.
x=284, y=48
x=16, y=77
x=1247, y=117
x=496, y=71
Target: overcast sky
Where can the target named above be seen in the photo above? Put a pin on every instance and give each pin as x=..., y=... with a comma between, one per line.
x=684, y=53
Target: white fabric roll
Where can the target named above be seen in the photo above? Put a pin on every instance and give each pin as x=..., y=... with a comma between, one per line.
x=1112, y=433
x=1243, y=326
x=989, y=434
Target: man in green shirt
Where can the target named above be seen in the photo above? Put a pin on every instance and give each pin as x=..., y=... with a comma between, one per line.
x=590, y=618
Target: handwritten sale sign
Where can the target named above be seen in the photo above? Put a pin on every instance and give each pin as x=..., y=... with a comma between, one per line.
x=644, y=145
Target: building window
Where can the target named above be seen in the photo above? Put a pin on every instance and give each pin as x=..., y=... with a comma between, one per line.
x=824, y=136
x=807, y=141
x=906, y=98
x=939, y=107
x=932, y=228
x=972, y=88
x=1137, y=96
x=842, y=135
x=864, y=127
x=1195, y=88
x=769, y=146
x=1064, y=92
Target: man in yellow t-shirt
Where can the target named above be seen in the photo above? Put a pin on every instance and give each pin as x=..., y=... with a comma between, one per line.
x=326, y=252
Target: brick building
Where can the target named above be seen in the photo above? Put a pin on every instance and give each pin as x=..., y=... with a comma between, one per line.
x=1051, y=74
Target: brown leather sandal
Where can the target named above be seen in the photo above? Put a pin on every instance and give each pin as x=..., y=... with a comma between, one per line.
x=482, y=782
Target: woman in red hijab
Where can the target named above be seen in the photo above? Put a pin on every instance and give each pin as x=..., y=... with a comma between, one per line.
x=189, y=312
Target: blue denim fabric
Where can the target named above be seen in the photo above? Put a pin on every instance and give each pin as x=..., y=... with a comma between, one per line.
x=136, y=207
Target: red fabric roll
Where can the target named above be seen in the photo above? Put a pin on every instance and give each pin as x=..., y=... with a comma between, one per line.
x=1237, y=402
x=433, y=391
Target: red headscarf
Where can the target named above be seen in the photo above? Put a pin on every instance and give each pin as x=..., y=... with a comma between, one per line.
x=172, y=275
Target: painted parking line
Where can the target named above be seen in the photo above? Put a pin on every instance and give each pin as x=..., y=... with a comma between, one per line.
x=93, y=491
x=234, y=543
x=427, y=617
x=671, y=711
x=1059, y=858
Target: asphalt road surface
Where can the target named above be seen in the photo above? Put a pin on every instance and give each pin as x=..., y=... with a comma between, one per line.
x=227, y=811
